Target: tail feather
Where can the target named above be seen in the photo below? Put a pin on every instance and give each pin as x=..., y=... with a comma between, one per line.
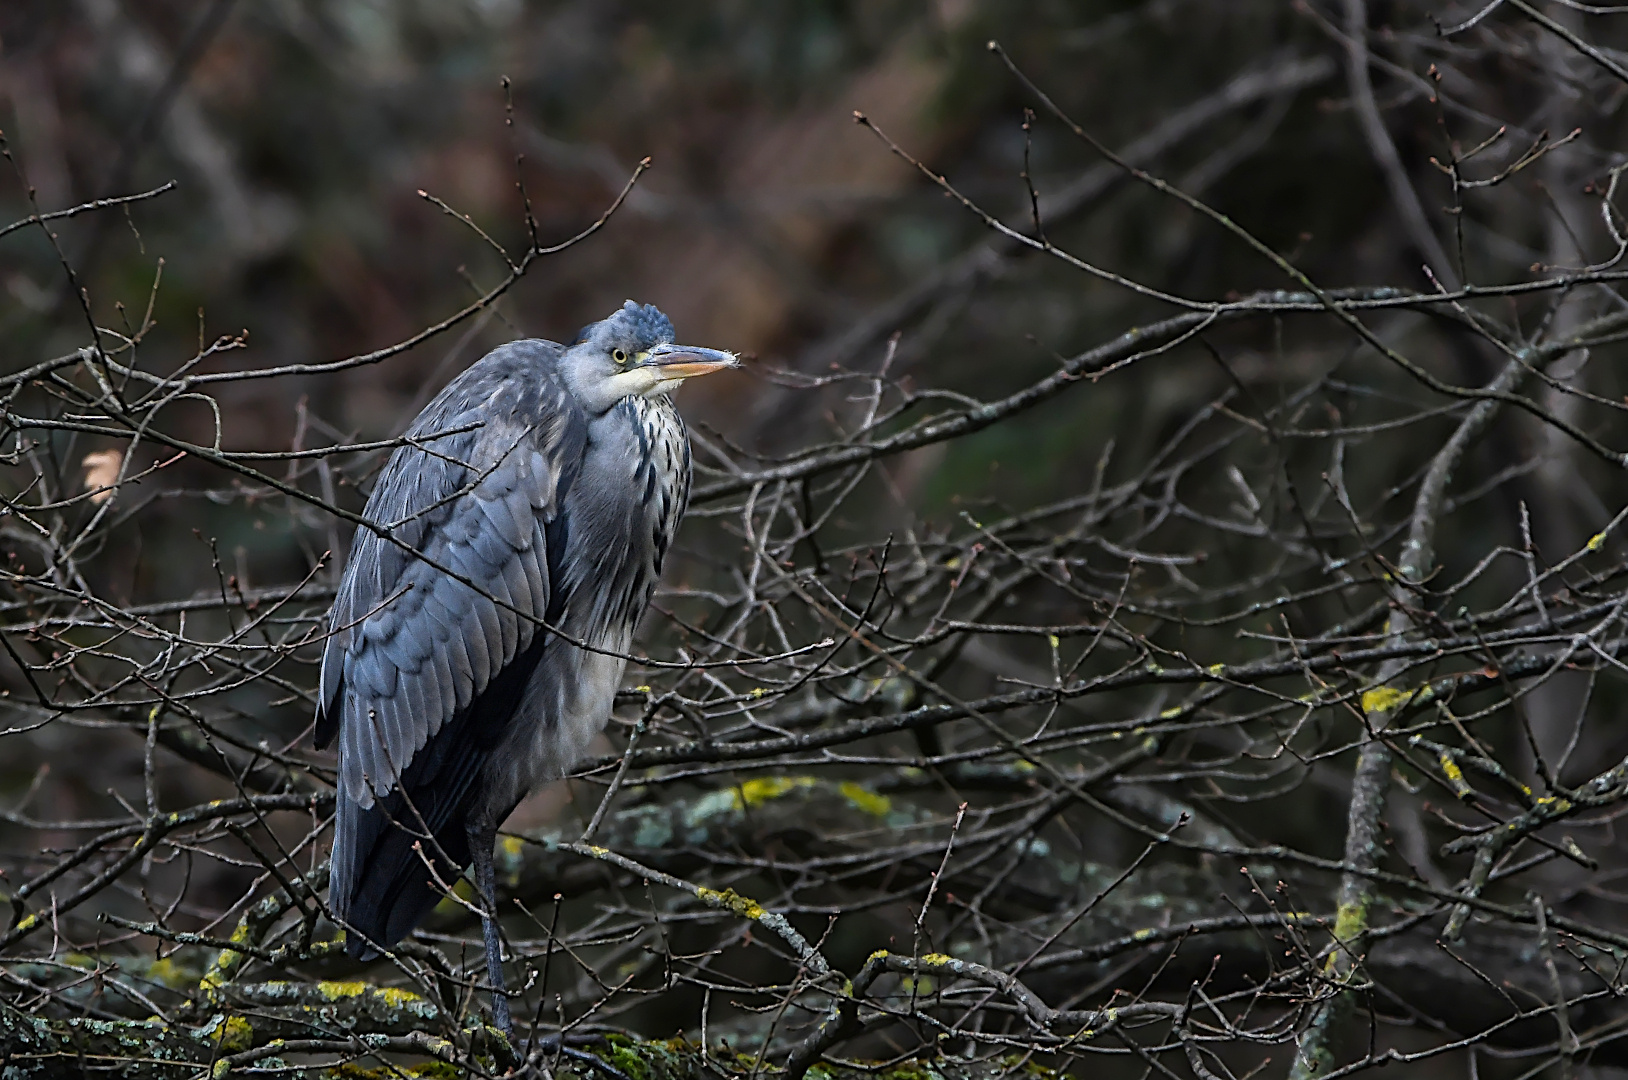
x=381, y=886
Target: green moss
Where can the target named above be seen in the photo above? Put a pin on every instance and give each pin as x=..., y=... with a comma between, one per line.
x=646, y=1060
x=631, y=1064
x=436, y=1070
x=1025, y=1065
x=911, y=1070
x=429, y=1070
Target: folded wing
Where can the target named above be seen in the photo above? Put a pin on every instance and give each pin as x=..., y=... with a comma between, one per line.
x=432, y=638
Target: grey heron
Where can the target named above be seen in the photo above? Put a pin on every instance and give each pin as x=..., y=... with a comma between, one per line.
x=483, y=622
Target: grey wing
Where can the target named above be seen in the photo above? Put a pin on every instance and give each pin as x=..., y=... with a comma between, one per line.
x=409, y=644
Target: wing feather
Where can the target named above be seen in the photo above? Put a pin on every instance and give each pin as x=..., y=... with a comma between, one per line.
x=534, y=568
x=510, y=518
x=410, y=645
x=415, y=698
x=482, y=633
x=507, y=623
x=371, y=673
x=404, y=652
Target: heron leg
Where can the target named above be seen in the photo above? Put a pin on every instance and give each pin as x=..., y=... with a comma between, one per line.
x=481, y=844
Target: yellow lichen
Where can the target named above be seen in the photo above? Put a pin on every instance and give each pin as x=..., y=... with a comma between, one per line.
x=397, y=998
x=1455, y=776
x=227, y=961
x=864, y=799
x=937, y=959
x=759, y=790
x=166, y=971
x=234, y=1035
x=1350, y=921
x=1384, y=699
x=334, y=991
x=393, y=996
x=1596, y=542
x=462, y=888
x=731, y=900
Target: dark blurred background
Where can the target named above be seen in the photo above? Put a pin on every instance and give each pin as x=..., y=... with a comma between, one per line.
x=300, y=132
x=300, y=135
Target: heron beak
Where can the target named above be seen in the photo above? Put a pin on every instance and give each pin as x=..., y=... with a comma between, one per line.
x=688, y=362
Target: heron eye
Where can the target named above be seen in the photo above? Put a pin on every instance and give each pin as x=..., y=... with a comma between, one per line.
x=619, y=355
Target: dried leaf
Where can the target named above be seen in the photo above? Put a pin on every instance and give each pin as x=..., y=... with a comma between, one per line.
x=101, y=473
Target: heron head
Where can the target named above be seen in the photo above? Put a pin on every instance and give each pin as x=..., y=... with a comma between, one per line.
x=631, y=354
